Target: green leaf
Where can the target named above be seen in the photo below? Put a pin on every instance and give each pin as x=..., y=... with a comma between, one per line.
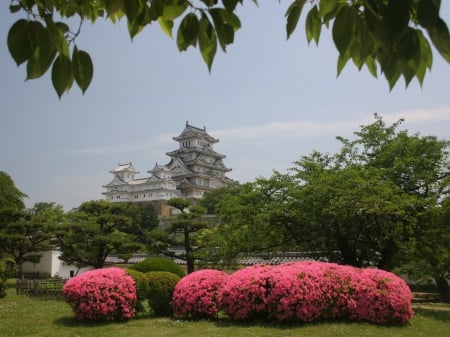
x=313, y=25
x=327, y=6
x=293, y=15
x=362, y=43
x=409, y=71
x=423, y=58
x=187, y=32
x=115, y=9
x=209, y=3
x=62, y=75
x=440, y=37
x=428, y=12
x=230, y=5
x=172, y=9
x=19, y=43
x=372, y=66
x=156, y=9
x=166, y=26
x=409, y=45
x=132, y=9
x=226, y=24
x=342, y=61
x=138, y=24
x=43, y=54
x=83, y=70
x=391, y=68
x=207, y=40
x=397, y=18
x=15, y=8
x=343, y=29
x=57, y=32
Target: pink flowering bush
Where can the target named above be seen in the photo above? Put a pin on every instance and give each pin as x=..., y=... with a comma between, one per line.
x=197, y=295
x=380, y=297
x=246, y=294
x=308, y=291
x=102, y=294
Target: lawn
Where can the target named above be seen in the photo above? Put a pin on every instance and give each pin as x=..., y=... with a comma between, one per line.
x=44, y=317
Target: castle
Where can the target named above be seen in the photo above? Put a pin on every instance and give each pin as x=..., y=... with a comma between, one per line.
x=193, y=169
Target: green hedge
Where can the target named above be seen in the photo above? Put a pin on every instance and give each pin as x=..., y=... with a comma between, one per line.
x=161, y=286
x=142, y=288
x=158, y=264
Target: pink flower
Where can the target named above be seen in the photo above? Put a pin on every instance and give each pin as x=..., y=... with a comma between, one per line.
x=198, y=294
x=102, y=294
x=307, y=291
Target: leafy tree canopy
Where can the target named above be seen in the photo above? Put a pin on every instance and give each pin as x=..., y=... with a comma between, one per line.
x=387, y=37
x=97, y=229
x=24, y=235
x=359, y=206
x=10, y=195
x=183, y=231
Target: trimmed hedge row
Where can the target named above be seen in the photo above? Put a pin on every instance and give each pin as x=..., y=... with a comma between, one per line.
x=158, y=264
x=296, y=292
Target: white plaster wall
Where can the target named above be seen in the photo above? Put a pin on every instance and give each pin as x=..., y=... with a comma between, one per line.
x=51, y=265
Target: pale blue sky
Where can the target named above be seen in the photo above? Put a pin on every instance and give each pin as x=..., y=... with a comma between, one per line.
x=268, y=100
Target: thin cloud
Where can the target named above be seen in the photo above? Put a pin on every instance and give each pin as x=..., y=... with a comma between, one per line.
x=279, y=130
x=303, y=129
x=436, y=115
x=152, y=144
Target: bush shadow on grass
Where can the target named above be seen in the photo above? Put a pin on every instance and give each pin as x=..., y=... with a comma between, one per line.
x=227, y=323
x=70, y=321
x=439, y=313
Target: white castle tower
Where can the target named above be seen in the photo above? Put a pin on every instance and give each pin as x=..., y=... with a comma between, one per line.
x=193, y=169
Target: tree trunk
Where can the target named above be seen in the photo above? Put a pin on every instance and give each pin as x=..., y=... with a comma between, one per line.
x=387, y=256
x=349, y=256
x=188, y=249
x=443, y=288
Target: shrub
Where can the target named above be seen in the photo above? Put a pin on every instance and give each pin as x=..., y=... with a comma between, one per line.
x=380, y=297
x=7, y=270
x=245, y=293
x=161, y=285
x=158, y=264
x=142, y=289
x=197, y=295
x=102, y=294
x=308, y=291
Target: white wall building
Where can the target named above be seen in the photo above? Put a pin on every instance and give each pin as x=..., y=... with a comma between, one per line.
x=51, y=265
x=193, y=169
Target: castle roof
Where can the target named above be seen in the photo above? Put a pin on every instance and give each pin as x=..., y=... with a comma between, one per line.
x=128, y=167
x=191, y=131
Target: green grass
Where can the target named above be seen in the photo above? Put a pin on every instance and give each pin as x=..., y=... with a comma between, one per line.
x=44, y=317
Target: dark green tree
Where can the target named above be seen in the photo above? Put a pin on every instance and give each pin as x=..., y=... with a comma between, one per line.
x=10, y=196
x=24, y=235
x=359, y=206
x=247, y=217
x=181, y=232
x=430, y=256
x=95, y=230
x=387, y=37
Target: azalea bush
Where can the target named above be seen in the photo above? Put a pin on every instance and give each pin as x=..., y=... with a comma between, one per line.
x=197, y=295
x=308, y=291
x=102, y=294
x=380, y=297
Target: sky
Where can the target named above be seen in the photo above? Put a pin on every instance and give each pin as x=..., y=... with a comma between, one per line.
x=268, y=100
